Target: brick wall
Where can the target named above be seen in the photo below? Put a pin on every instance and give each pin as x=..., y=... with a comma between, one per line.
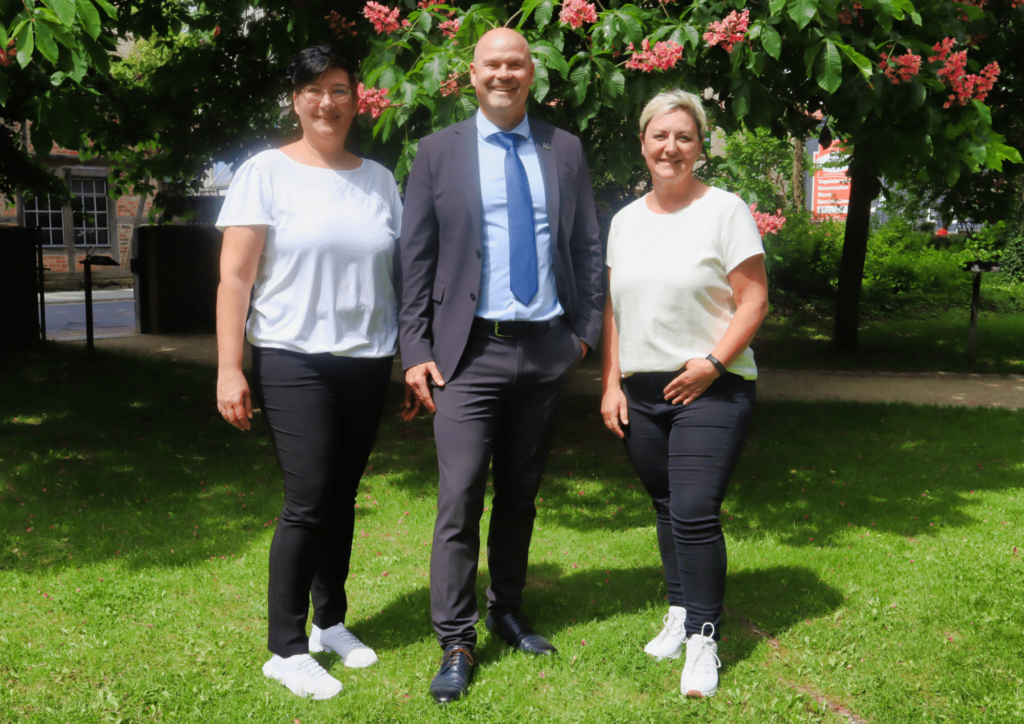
x=124, y=239
x=56, y=262
x=8, y=211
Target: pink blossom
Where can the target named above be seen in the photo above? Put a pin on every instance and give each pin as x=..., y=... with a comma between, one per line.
x=906, y=66
x=384, y=20
x=373, y=101
x=767, y=223
x=576, y=12
x=965, y=86
x=729, y=31
x=662, y=57
x=451, y=85
x=450, y=27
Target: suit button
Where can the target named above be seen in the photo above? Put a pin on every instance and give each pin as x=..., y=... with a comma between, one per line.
x=477, y=253
x=472, y=296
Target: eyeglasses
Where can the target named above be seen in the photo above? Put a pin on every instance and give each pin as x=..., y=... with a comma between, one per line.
x=338, y=95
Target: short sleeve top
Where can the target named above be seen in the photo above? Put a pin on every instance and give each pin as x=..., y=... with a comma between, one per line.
x=324, y=283
x=670, y=288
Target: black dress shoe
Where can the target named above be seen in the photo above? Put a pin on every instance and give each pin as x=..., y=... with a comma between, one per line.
x=452, y=679
x=510, y=626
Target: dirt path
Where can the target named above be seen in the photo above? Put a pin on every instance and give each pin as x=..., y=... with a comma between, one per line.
x=923, y=388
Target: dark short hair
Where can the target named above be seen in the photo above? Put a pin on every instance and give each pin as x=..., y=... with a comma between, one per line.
x=311, y=63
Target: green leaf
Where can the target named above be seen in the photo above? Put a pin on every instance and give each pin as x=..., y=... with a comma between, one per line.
x=634, y=30
x=983, y=111
x=80, y=65
x=620, y=163
x=996, y=153
x=61, y=121
x=862, y=63
x=543, y=14
x=828, y=68
x=45, y=42
x=109, y=9
x=464, y=108
x=551, y=57
x=589, y=108
x=580, y=80
x=691, y=35
x=527, y=8
x=63, y=9
x=90, y=18
x=5, y=89
x=952, y=170
x=541, y=83
x=442, y=115
x=802, y=11
x=387, y=78
x=42, y=141
x=775, y=6
x=772, y=41
x=917, y=95
x=810, y=53
x=741, y=101
x=26, y=44
x=434, y=73
x=98, y=56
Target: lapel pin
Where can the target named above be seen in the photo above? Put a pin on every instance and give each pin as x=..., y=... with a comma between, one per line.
x=546, y=146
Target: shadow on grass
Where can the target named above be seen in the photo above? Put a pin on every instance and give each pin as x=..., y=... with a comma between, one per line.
x=125, y=458
x=557, y=600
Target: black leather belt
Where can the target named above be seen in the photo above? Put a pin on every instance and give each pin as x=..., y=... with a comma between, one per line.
x=511, y=329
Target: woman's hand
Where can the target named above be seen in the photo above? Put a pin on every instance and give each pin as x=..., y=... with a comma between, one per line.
x=410, y=405
x=697, y=376
x=233, y=400
x=615, y=410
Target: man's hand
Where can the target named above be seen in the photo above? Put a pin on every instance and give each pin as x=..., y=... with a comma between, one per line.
x=410, y=405
x=416, y=378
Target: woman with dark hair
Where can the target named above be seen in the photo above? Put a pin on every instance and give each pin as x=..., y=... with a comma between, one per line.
x=309, y=229
x=688, y=294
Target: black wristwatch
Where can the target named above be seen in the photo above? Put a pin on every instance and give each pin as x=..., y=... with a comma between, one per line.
x=718, y=365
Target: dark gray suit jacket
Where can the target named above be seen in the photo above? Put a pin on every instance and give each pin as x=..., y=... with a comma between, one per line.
x=438, y=257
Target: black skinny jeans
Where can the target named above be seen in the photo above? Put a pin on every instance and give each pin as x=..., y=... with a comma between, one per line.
x=685, y=456
x=323, y=412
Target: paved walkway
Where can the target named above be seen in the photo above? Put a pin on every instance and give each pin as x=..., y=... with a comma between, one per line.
x=924, y=388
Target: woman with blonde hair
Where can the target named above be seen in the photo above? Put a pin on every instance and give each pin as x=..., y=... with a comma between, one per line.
x=688, y=293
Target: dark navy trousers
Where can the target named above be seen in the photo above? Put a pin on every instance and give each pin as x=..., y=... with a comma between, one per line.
x=684, y=456
x=323, y=411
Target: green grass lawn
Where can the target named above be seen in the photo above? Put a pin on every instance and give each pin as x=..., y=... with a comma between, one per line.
x=875, y=564
x=918, y=343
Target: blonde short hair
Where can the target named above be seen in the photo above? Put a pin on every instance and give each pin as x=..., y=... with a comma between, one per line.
x=672, y=100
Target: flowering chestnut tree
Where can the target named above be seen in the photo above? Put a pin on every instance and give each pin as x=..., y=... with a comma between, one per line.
x=902, y=83
x=914, y=88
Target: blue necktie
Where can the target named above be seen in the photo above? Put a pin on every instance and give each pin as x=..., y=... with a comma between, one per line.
x=522, y=238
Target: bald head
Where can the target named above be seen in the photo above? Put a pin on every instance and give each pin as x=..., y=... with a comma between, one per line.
x=501, y=40
x=502, y=73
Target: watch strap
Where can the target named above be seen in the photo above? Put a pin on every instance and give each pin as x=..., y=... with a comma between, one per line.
x=718, y=365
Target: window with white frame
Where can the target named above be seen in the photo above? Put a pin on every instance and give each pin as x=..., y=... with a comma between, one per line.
x=92, y=219
x=46, y=214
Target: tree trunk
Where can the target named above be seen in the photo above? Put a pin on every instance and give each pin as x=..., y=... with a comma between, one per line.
x=864, y=188
x=796, y=180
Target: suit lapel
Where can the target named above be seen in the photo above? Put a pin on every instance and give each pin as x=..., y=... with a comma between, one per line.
x=470, y=160
x=542, y=136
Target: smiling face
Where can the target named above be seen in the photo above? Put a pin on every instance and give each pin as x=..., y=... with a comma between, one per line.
x=671, y=145
x=326, y=118
x=502, y=73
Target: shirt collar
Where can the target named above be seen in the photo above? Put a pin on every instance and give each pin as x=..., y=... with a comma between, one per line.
x=486, y=129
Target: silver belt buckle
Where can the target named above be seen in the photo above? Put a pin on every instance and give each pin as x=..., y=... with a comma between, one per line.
x=499, y=334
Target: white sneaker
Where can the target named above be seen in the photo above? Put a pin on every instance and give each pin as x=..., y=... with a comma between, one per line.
x=669, y=643
x=700, y=672
x=303, y=676
x=353, y=652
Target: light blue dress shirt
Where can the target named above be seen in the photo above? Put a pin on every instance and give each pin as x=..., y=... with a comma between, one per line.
x=496, y=298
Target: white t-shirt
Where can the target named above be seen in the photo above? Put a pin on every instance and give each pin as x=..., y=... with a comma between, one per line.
x=324, y=281
x=669, y=285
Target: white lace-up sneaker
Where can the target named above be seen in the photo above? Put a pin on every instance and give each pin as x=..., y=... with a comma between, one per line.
x=700, y=672
x=303, y=676
x=669, y=643
x=353, y=652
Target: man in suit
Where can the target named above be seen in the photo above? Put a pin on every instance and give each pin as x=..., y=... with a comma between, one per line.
x=499, y=277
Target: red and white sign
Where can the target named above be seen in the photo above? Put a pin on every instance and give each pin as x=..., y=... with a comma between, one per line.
x=830, y=197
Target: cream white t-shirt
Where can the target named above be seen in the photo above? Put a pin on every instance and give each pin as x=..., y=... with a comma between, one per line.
x=669, y=284
x=324, y=281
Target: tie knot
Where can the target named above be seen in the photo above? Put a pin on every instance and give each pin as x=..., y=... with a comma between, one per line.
x=507, y=140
